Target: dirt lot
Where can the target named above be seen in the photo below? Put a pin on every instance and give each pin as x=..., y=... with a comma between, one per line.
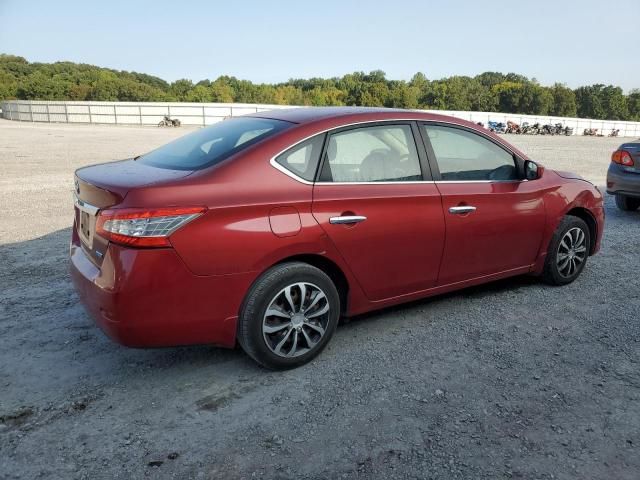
x=509, y=380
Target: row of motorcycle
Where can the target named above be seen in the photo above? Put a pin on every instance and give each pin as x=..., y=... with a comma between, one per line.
x=537, y=129
x=593, y=132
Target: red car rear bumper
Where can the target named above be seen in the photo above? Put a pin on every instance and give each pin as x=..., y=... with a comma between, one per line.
x=148, y=297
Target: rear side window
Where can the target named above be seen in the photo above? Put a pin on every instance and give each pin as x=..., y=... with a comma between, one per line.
x=372, y=154
x=302, y=160
x=464, y=155
x=211, y=145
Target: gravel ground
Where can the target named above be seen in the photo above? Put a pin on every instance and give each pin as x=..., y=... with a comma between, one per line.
x=509, y=380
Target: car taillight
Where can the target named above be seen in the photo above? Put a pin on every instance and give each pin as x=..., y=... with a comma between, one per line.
x=622, y=157
x=144, y=227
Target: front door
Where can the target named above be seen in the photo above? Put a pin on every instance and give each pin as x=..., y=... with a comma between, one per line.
x=494, y=220
x=373, y=202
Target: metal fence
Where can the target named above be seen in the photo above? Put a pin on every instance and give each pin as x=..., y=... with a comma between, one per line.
x=604, y=127
x=151, y=113
x=125, y=113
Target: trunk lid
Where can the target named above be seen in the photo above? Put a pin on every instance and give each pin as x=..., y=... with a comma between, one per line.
x=105, y=185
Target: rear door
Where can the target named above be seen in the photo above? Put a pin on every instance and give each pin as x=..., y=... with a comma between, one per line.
x=376, y=201
x=494, y=220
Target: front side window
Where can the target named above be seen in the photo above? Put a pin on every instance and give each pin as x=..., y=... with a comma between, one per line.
x=372, y=154
x=211, y=145
x=462, y=155
x=302, y=160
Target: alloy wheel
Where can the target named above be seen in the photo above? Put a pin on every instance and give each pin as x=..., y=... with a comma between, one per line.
x=296, y=319
x=572, y=252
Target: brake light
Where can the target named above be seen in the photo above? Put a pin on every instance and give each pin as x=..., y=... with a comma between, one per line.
x=622, y=157
x=144, y=227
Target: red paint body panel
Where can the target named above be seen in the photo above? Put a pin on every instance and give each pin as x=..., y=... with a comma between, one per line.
x=285, y=221
x=404, y=229
x=505, y=232
x=410, y=247
x=147, y=297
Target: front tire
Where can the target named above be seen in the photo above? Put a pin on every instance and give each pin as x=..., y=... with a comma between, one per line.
x=627, y=204
x=568, y=251
x=288, y=316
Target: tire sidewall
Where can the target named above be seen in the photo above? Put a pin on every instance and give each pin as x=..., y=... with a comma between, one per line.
x=552, y=271
x=261, y=294
x=626, y=203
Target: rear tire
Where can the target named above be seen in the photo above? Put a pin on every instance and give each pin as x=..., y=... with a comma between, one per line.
x=568, y=251
x=627, y=204
x=305, y=308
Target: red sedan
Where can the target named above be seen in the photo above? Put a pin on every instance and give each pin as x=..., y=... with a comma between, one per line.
x=265, y=229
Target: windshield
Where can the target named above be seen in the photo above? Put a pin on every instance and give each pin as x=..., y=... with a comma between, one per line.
x=213, y=144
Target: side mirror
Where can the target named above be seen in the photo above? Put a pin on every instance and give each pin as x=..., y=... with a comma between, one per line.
x=532, y=170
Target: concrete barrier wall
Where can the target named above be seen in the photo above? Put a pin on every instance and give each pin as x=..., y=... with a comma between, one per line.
x=150, y=113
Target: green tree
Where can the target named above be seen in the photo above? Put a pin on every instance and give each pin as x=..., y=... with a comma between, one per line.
x=289, y=95
x=508, y=96
x=588, y=102
x=614, y=103
x=488, y=91
x=403, y=95
x=564, y=101
x=199, y=93
x=221, y=91
x=8, y=86
x=40, y=86
x=490, y=79
x=180, y=88
x=535, y=100
x=633, y=104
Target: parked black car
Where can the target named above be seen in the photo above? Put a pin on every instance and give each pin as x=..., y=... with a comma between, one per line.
x=623, y=177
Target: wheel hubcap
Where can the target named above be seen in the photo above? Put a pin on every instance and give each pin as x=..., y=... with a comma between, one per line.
x=296, y=319
x=572, y=252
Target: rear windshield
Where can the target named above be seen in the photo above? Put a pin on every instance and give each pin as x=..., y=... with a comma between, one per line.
x=213, y=144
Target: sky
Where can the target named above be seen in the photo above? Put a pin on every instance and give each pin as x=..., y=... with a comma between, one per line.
x=572, y=42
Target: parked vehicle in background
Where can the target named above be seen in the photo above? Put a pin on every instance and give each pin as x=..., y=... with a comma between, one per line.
x=614, y=132
x=497, y=127
x=536, y=129
x=623, y=176
x=512, y=127
x=531, y=129
x=169, y=122
x=548, y=129
x=266, y=228
x=590, y=132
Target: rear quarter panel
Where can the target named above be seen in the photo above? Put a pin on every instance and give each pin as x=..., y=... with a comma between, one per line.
x=250, y=224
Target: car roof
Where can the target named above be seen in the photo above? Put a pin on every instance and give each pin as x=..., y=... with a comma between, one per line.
x=304, y=115
x=335, y=117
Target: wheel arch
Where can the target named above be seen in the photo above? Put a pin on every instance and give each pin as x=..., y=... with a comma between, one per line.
x=330, y=268
x=589, y=219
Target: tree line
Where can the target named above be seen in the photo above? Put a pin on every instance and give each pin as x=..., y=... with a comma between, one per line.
x=489, y=91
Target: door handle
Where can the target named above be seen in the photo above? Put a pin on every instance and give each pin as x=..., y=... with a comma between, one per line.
x=347, y=219
x=462, y=209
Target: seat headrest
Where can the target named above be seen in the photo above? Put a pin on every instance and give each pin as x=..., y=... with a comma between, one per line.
x=373, y=167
